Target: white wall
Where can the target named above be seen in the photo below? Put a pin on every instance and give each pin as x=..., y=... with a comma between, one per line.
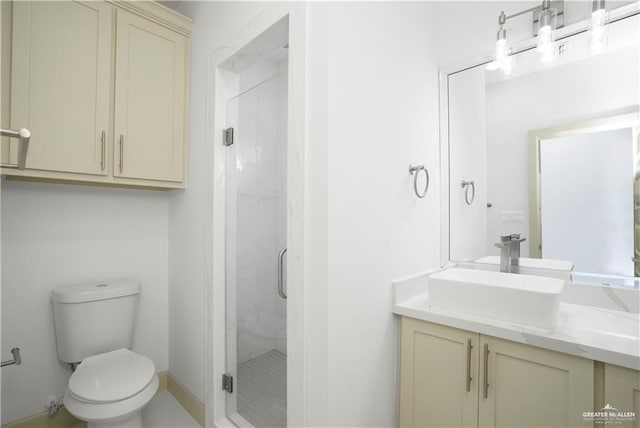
x=55, y=235
x=382, y=94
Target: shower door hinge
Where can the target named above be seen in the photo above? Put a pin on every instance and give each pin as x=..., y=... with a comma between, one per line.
x=227, y=136
x=227, y=383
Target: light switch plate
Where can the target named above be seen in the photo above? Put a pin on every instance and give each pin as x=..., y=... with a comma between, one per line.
x=512, y=216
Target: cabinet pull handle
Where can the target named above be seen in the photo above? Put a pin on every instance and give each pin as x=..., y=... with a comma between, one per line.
x=486, y=370
x=102, y=156
x=121, y=152
x=469, y=379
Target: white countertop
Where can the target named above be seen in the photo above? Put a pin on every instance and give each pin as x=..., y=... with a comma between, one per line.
x=597, y=333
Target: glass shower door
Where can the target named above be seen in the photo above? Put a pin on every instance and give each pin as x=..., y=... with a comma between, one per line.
x=255, y=239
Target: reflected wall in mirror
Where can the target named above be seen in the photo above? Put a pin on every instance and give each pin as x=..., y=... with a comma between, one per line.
x=581, y=197
x=488, y=123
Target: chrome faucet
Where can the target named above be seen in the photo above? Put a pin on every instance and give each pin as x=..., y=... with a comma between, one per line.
x=510, y=252
x=505, y=252
x=514, y=254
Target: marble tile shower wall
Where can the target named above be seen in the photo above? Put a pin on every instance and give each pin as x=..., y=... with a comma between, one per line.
x=261, y=221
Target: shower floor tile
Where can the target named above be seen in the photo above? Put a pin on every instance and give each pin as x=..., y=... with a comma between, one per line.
x=262, y=390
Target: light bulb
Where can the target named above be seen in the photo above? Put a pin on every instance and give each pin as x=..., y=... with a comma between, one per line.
x=545, y=43
x=501, y=50
x=545, y=38
x=546, y=26
x=502, y=59
x=598, y=31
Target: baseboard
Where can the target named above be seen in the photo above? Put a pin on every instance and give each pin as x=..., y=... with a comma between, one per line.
x=162, y=379
x=190, y=402
x=64, y=419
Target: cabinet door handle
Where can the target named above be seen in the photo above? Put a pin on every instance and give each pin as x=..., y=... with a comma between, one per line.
x=102, y=156
x=486, y=370
x=121, y=152
x=468, y=379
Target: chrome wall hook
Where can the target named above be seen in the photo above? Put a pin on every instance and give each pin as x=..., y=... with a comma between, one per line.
x=414, y=170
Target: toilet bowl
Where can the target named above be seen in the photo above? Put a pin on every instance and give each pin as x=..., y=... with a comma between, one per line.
x=94, y=324
x=110, y=389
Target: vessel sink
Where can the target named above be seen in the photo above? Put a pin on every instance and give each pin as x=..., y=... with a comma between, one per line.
x=513, y=298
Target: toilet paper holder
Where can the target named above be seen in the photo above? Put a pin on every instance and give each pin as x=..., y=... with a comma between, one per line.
x=16, y=359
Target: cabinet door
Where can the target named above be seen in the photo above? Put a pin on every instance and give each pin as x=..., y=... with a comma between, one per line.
x=61, y=71
x=436, y=362
x=149, y=100
x=529, y=386
x=622, y=391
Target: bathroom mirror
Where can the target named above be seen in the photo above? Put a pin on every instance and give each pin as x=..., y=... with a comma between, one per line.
x=549, y=151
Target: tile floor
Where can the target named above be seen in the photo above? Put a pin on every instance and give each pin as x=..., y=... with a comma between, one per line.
x=163, y=411
x=262, y=390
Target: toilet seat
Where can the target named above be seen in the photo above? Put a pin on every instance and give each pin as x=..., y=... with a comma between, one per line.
x=96, y=413
x=111, y=377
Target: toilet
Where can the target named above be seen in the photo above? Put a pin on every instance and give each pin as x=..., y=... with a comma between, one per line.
x=94, y=332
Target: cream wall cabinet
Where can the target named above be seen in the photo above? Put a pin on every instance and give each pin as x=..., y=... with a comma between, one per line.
x=60, y=87
x=102, y=86
x=452, y=377
x=150, y=100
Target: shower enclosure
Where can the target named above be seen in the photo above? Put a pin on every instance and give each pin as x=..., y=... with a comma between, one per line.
x=256, y=173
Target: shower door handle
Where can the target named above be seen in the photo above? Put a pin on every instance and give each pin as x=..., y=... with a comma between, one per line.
x=281, y=292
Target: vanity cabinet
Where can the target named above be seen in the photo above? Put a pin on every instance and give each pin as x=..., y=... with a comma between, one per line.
x=530, y=386
x=452, y=377
x=622, y=391
x=102, y=86
x=438, y=376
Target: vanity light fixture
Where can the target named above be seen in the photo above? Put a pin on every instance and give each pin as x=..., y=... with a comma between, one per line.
x=545, y=21
x=598, y=27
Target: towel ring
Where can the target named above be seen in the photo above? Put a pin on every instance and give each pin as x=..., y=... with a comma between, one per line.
x=466, y=185
x=414, y=170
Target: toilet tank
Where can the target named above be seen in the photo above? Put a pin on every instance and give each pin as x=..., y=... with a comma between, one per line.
x=94, y=318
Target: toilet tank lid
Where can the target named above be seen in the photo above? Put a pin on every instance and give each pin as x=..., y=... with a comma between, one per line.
x=95, y=291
